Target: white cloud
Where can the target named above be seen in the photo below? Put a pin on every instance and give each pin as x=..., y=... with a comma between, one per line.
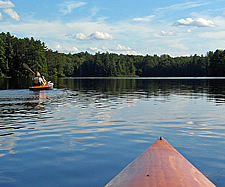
x=13, y=14
x=94, y=11
x=101, y=36
x=7, y=8
x=6, y=4
x=95, y=49
x=119, y=49
x=1, y=17
x=188, y=31
x=164, y=33
x=182, y=6
x=122, y=48
x=81, y=36
x=66, y=49
x=95, y=36
x=68, y=6
x=144, y=19
x=199, y=22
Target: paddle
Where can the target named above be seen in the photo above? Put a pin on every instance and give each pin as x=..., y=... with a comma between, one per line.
x=27, y=67
x=62, y=86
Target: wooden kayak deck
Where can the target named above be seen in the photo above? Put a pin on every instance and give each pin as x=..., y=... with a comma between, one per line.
x=160, y=165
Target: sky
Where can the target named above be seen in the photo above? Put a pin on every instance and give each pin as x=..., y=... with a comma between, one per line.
x=137, y=27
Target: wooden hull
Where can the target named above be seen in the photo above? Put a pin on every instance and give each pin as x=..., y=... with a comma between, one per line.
x=42, y=87
x=160, y=165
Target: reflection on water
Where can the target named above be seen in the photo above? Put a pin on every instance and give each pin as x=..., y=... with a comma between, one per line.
x=87, y=133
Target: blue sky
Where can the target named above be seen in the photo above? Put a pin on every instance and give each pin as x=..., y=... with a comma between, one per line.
x=173, y=27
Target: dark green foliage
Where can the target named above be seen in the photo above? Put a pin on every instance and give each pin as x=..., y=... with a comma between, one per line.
x=14, y=52
x=18, y=51
x=217, y=63
x=3, y=63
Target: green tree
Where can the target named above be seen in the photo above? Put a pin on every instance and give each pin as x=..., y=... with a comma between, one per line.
x=3, y=64
x=217, y=64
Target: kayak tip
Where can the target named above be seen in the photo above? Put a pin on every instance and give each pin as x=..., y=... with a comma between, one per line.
x=160, y=165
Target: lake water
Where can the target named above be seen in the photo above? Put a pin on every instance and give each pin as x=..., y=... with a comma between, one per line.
x=85, y=134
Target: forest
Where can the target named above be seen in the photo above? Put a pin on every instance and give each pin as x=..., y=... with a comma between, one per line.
x=16, y=51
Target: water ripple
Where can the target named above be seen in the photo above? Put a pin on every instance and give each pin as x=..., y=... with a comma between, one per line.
x=63, y=136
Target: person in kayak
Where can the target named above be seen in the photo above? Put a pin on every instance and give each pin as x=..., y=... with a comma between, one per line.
x=37, y=80
x=43, y=78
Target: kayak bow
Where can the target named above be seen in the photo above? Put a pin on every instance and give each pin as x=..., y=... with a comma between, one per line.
x=160, y=165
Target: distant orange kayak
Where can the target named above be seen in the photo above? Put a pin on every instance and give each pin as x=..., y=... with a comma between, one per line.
x=42, y=87
x=160, y=165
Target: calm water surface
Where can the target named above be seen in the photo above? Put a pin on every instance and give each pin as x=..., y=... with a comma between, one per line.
x=86, y=134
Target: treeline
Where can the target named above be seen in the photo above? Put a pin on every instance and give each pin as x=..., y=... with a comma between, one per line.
x=15, y=51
